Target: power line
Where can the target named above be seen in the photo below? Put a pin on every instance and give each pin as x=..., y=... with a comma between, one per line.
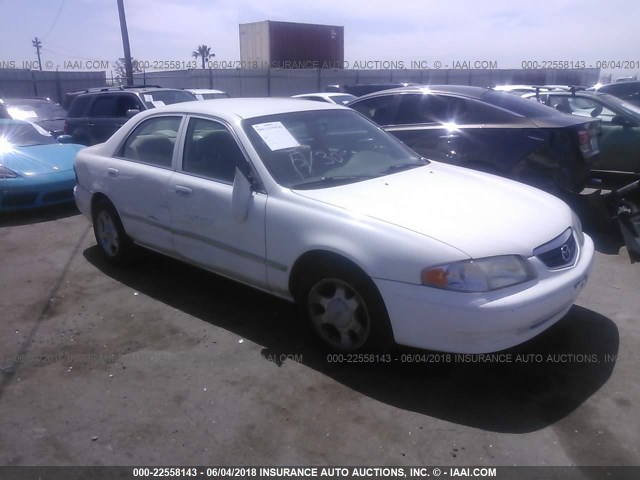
x=64, y=49
x=55, y=20
x=63, y=54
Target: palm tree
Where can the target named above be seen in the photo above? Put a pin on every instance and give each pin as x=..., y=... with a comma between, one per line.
x=204, y=52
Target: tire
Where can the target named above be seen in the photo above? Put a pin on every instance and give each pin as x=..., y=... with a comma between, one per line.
x=344, y=309
x=112, y=240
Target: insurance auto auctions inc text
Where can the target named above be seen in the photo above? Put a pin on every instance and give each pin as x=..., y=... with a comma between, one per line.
x=372, y=472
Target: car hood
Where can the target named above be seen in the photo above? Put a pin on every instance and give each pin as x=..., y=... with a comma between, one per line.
x=41, y=159
x=480, y=214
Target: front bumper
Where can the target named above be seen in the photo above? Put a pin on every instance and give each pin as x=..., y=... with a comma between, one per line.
x=37, y=191
x=457, y=322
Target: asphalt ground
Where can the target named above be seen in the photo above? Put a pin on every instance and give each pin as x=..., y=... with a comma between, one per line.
x=161, y=363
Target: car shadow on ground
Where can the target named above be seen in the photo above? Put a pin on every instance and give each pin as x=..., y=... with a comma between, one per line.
x=45, y=214
x=539, y=383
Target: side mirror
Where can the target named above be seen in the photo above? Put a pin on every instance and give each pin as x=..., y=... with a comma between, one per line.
x=132, y=112
x=622, y=121
x=241, y=196
x=64, y=139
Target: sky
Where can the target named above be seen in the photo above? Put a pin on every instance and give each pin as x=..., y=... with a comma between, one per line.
x=505, y=31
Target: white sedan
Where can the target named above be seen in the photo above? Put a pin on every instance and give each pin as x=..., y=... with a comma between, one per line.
x=313, y=203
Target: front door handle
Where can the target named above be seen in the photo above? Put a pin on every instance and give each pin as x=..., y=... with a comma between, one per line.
x=184, y=191
x=113, y=172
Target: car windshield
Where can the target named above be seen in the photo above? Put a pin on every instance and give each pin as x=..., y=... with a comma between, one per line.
x=518, y=105
x=323, y=148
x=14, y=134
x=35, y=111
x=159, y=98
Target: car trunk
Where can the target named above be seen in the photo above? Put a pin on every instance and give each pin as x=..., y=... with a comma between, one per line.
x=568, y=149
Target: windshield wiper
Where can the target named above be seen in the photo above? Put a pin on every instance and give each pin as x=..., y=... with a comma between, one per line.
x=401, y=166
x=331, y=181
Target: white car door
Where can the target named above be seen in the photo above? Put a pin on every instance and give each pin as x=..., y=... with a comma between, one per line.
x=138, y=181
x=205, y=230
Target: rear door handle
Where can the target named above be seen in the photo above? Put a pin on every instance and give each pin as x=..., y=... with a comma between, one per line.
x=113, y=172
x=184, y=191
x=91, y=124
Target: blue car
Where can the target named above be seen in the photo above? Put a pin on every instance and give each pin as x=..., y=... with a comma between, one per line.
x=35, y=169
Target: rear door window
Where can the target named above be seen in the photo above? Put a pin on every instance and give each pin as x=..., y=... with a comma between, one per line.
x=79, y=106
x=153, y=141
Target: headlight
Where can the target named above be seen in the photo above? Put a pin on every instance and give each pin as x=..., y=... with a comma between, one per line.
x=481, y=275
x=6, y=173
x=577, y=227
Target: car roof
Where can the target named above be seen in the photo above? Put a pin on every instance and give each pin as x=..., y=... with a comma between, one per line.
x=620, y=84
x=104, y=90
x=461, y=90
x=203, y=90
x=322, y=94
x=513, y=87
x=247, y=107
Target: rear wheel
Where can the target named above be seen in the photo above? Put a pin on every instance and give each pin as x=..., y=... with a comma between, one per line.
x=344, y=309
x=112, y=240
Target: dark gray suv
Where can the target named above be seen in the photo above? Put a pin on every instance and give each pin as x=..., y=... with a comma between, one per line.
x=96, y=114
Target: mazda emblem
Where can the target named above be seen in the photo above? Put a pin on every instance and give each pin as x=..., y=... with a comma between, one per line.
x=566, y=252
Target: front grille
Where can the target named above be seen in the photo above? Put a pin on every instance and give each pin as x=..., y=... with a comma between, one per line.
x=559, y=252
x=58, y=196
x=19, y=199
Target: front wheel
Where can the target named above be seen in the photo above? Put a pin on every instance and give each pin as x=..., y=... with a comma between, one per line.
x=344, y=309
x=112, y=240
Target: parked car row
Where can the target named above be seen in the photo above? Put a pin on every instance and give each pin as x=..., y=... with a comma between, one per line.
x=468, y=126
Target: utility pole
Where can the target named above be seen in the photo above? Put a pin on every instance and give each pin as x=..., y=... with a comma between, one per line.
x=37, y=43
x=125, y=43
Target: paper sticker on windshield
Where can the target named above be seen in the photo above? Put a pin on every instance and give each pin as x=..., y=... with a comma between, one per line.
x=158, y=103
x=275, y=135
x=148, y=98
